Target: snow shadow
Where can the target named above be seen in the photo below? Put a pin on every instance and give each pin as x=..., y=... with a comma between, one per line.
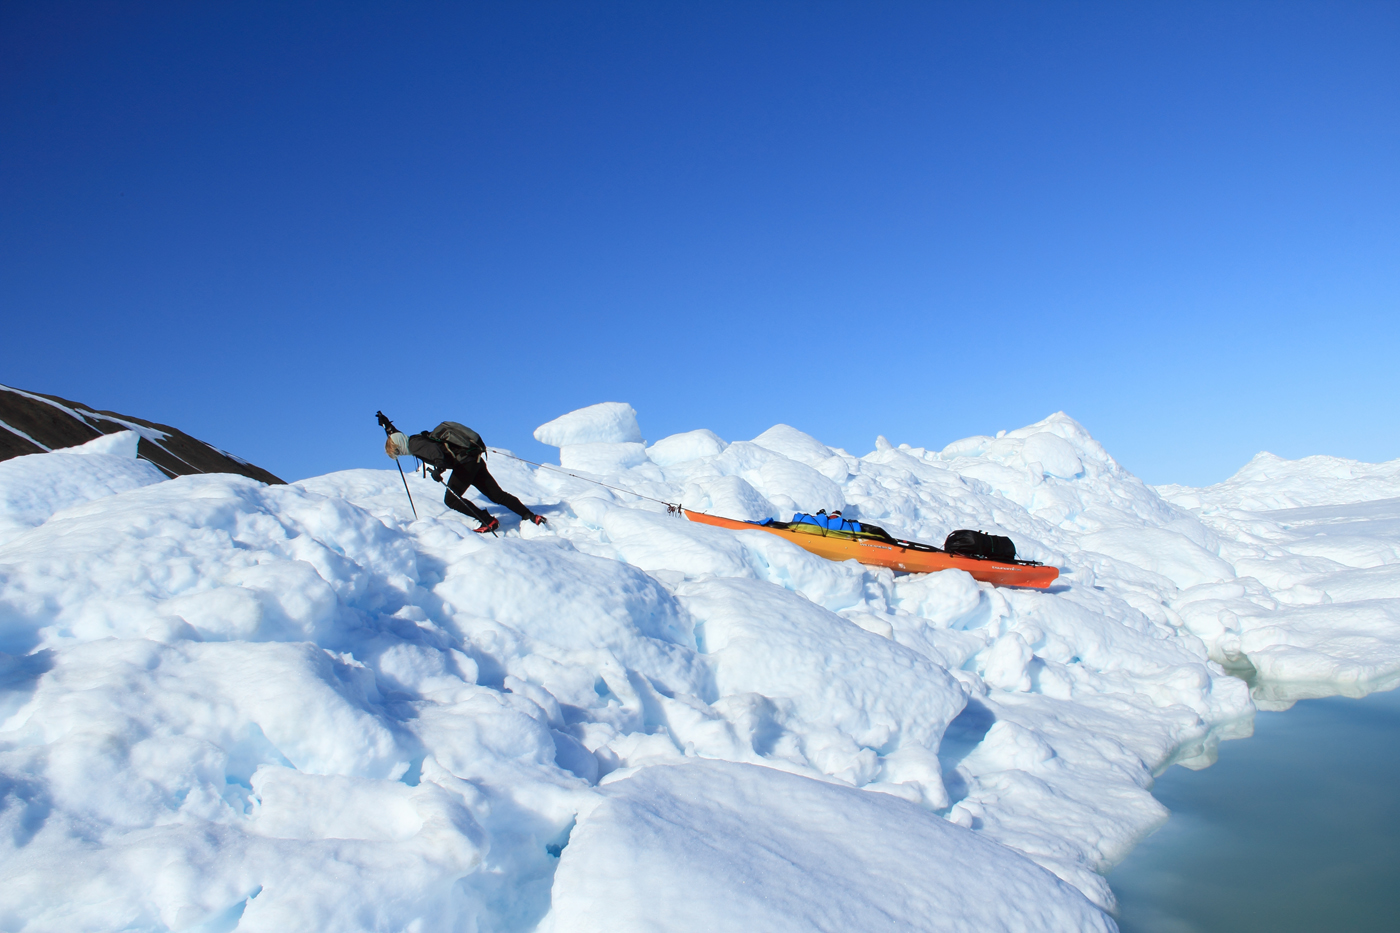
x=964, y=733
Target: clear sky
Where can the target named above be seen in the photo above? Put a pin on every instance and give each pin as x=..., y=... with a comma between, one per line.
x=1178, y=222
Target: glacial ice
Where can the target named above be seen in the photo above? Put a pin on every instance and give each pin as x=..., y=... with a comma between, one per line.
x=226, y=705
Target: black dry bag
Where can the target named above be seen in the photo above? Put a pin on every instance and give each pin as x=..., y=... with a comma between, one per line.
x=979, y=544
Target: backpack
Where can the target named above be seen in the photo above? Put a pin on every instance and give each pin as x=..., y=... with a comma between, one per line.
x=980, y=545
x=467, y=443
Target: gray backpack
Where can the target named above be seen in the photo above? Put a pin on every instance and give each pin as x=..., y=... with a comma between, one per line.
x=467, y=443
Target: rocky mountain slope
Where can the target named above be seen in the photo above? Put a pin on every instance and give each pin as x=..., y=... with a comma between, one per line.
x=35, y=423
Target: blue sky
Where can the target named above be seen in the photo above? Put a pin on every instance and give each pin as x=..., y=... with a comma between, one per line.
x=1177, y=222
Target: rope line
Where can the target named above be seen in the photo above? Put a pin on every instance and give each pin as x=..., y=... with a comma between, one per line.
x=672, y=508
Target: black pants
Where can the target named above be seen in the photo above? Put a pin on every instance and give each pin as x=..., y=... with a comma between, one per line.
x=476, y=474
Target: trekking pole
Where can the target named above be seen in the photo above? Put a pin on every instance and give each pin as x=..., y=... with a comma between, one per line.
x=389, y=429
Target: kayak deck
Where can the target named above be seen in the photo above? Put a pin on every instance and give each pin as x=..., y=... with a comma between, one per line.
x=877, y=553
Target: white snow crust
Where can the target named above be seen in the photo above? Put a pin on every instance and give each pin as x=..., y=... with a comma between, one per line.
x=1316, y=546
x=226, y=706
x=712, y=845
x=35, y=486
x=604, y=423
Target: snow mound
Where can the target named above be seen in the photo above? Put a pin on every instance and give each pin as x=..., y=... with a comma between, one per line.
x=681, y=448
x=604, y=423
x=35, y=486
x=793, y=444
x=224, y=704
x=121, y=444
x=710, y=845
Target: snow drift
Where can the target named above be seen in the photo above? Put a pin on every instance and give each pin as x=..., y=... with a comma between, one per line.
x=225, y=705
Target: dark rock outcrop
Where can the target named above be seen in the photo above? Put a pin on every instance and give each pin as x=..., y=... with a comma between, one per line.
x=32, y=423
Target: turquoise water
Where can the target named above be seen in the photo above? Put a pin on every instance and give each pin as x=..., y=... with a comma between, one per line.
x=1294, y=829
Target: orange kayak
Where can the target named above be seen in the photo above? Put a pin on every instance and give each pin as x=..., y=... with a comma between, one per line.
x=911, y=559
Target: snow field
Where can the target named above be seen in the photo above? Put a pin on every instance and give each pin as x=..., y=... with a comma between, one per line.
x=226, y=705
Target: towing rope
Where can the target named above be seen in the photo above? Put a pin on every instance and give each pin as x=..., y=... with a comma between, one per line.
x=672, y=508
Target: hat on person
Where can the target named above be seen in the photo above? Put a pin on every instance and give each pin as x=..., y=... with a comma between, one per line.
x=396, y=445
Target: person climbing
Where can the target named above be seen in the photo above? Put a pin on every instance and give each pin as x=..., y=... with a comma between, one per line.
x=456, y=447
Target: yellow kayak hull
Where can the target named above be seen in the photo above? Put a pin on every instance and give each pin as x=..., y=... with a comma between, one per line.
x=883, y=554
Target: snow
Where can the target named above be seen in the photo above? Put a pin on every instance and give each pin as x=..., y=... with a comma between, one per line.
x=712, y=845
x=34, y=487
x=16, y=431
x=604, y=423
x=1054, y=454
x=680, y=448
x=1315, y=609
x=1268, y=482
x=227, y=705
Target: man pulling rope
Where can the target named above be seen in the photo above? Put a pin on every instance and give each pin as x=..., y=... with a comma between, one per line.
x=455, y=447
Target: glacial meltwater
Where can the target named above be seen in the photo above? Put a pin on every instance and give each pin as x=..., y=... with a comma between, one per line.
x=1296, y=828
